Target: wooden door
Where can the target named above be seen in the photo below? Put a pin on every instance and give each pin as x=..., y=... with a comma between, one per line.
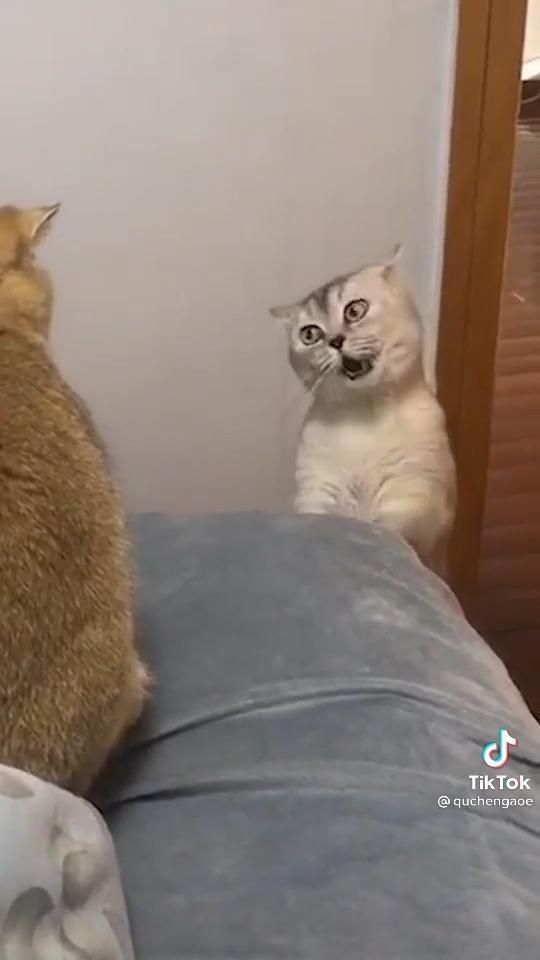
x=507, y=597
x=489, y=344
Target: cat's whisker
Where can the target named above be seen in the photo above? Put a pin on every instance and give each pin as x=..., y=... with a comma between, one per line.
x=327, y=369
x=291, y=409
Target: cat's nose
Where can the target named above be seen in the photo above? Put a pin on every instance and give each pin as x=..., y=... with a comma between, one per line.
x=337, y=341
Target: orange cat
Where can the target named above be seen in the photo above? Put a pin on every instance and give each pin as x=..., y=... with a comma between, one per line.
x=71, y=682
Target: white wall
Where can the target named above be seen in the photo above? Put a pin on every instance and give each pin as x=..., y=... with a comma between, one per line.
x=215, y=157
x=532, y=31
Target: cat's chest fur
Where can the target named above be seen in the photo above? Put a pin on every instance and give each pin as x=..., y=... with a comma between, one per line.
x=349, y=458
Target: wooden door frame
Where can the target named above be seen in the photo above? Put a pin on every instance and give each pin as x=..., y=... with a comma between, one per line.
x=486, y=97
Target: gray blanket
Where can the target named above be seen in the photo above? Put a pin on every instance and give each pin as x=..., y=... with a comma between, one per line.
x=316, y=693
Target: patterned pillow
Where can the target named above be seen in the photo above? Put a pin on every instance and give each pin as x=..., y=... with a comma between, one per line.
x=60, y=894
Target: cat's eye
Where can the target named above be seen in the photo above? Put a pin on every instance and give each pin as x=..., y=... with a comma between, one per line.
x=311, y=334
x=355, y=311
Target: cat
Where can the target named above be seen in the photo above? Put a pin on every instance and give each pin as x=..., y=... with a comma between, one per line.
x=374, y=444
x=71, y=682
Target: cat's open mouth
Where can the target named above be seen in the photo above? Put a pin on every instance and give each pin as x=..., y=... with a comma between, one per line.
x=354, y=367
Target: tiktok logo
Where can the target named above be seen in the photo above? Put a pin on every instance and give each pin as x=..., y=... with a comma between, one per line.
x=496, y=753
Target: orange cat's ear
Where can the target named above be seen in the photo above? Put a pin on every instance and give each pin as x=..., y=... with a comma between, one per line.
x=35, y=222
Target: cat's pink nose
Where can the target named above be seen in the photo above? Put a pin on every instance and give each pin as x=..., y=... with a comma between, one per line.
x=337, y=341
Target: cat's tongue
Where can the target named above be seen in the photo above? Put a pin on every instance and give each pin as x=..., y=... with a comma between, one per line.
x=355, y=367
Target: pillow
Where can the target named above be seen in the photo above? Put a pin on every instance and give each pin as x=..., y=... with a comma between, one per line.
x=60, y=895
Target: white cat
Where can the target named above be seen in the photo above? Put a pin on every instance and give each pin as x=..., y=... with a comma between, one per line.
x=374, y=444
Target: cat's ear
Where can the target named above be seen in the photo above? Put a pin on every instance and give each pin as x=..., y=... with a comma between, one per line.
x=35, y=222
x=284, y=315
x=394, y=261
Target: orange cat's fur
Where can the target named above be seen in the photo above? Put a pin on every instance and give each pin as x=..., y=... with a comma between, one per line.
x=71, y=682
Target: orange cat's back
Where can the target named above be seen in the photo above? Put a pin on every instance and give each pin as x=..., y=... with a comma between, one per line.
x=71, y=681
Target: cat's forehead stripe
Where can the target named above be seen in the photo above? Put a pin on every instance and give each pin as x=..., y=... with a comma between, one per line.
x=320, y=298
